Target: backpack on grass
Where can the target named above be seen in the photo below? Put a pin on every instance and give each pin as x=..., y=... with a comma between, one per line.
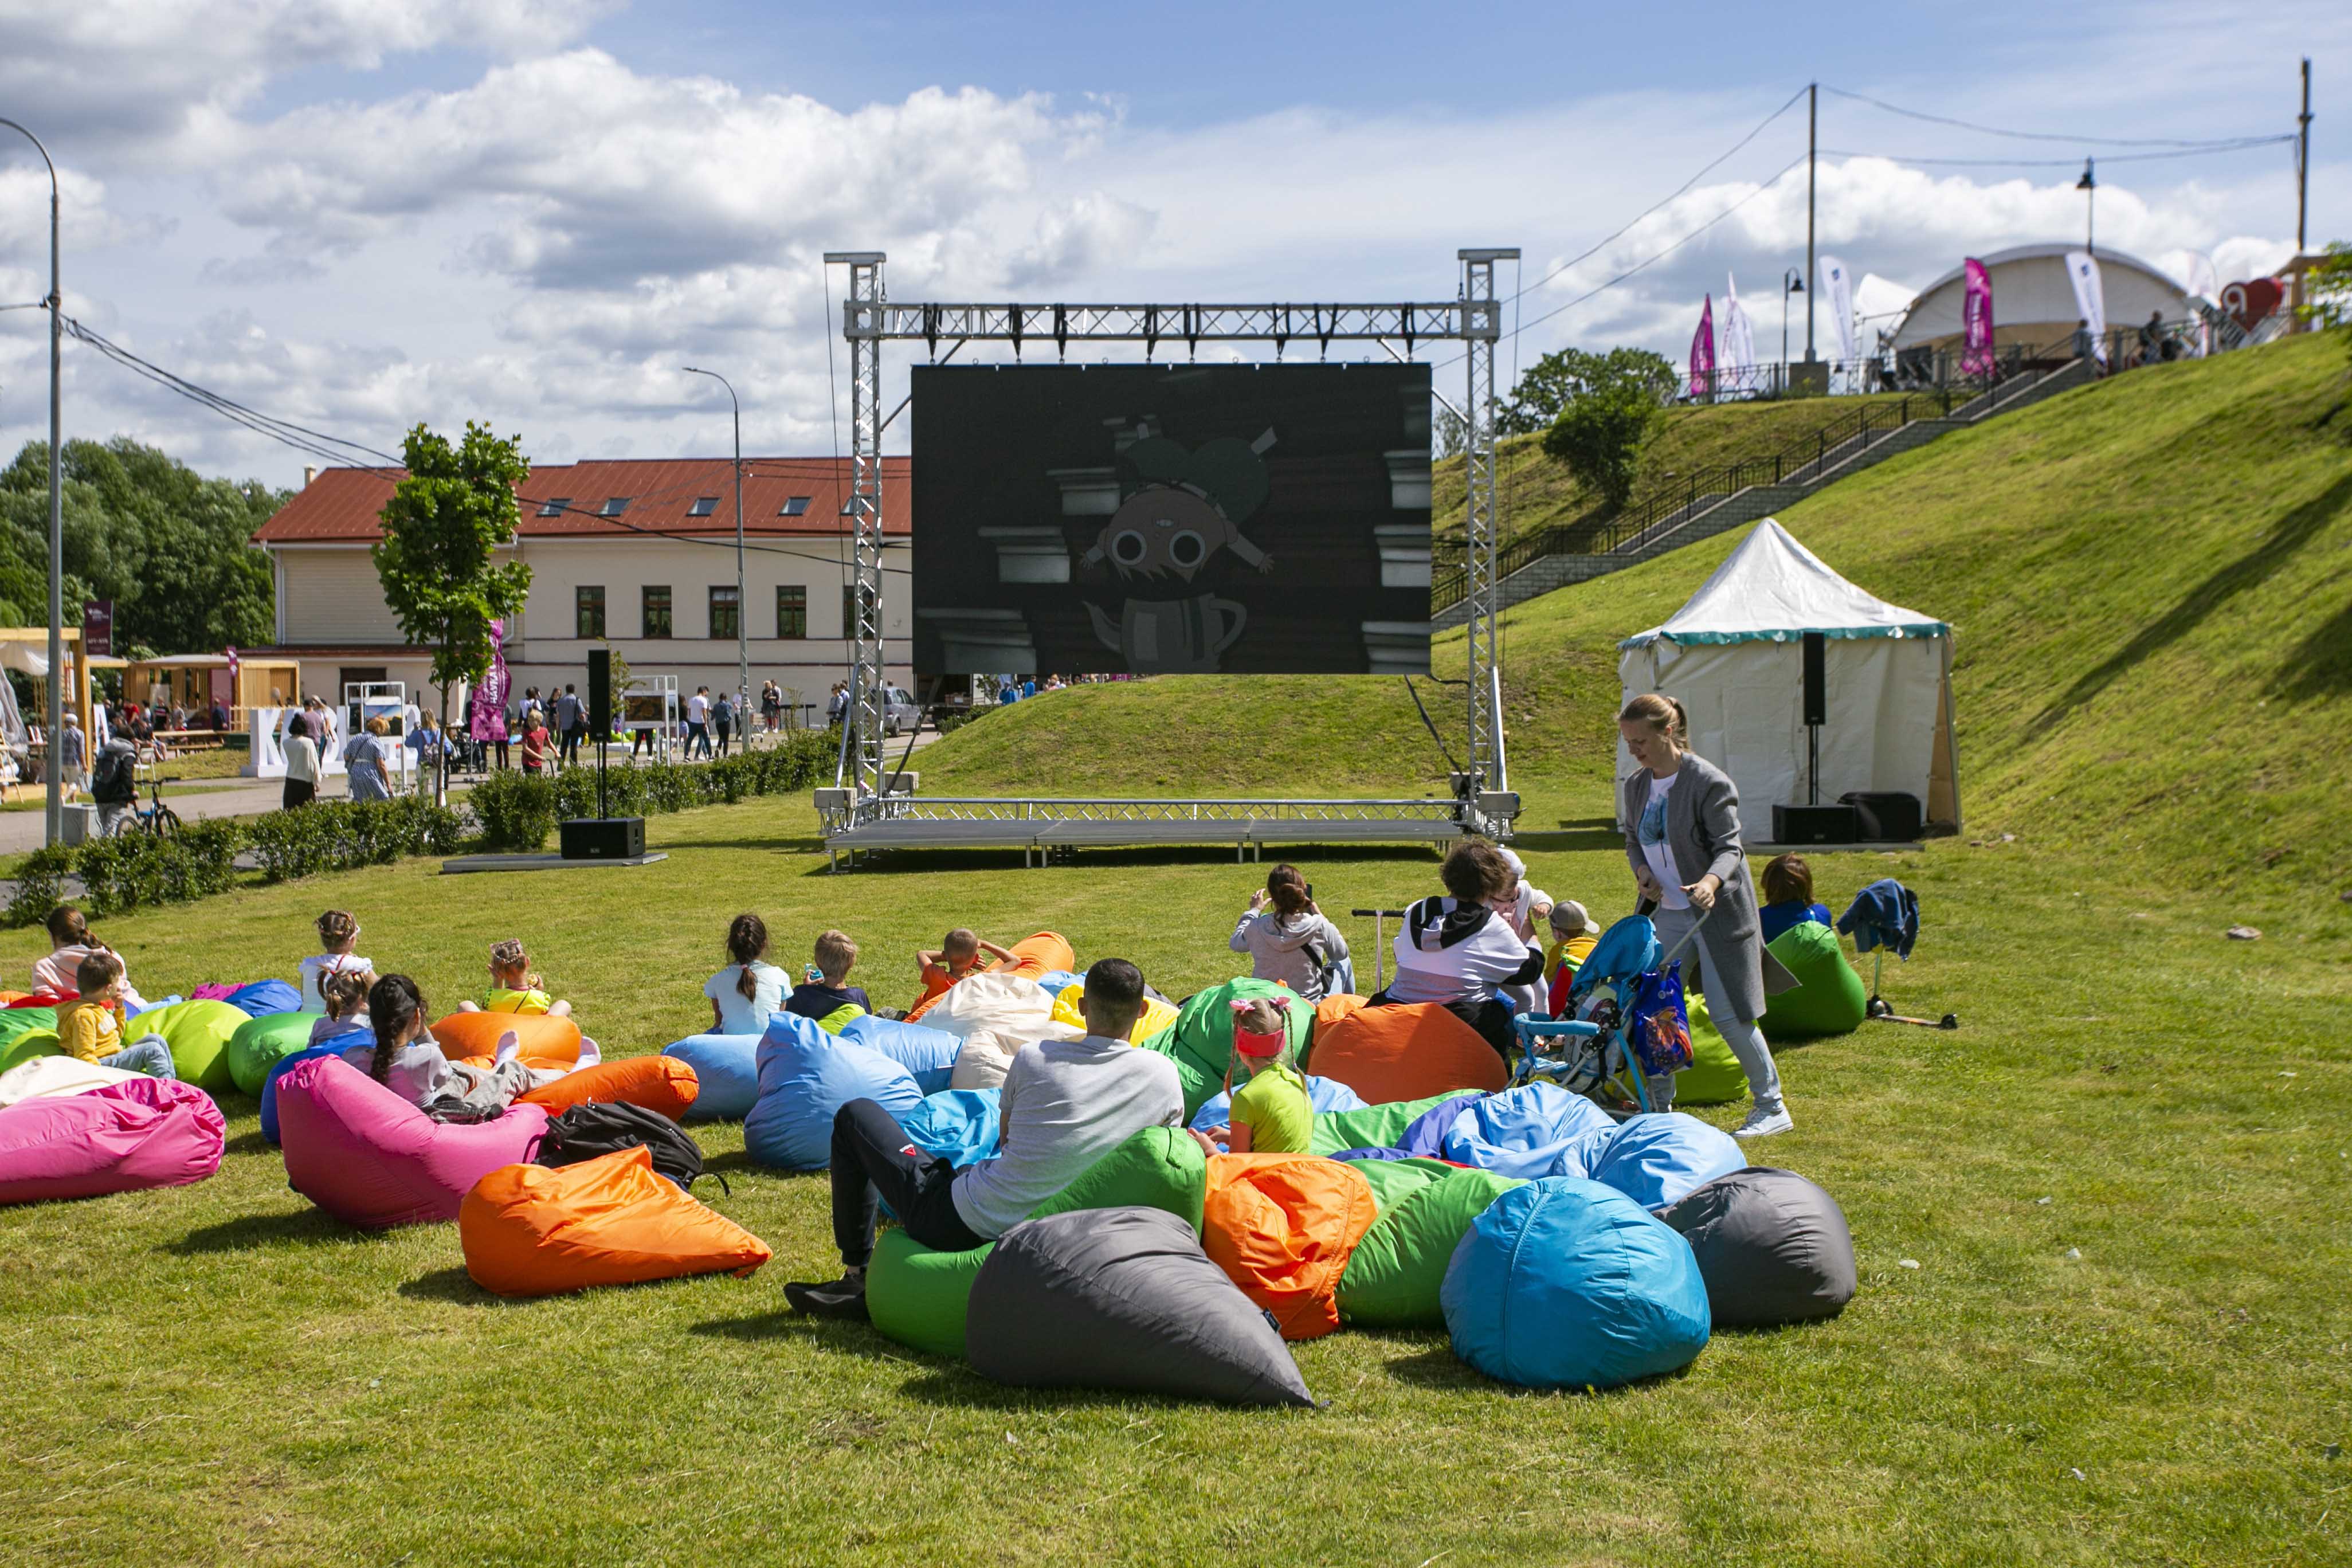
x=586, y=1132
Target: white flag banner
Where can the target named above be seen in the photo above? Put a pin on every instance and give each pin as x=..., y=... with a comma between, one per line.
x=2204, y=283
x=2090, y=299
x=1838, y=285
x=1735, y=353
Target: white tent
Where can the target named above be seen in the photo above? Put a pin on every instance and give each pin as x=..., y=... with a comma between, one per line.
x=1734, y=655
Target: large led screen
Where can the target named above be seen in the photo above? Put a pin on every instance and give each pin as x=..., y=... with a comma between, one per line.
x=1157, y=520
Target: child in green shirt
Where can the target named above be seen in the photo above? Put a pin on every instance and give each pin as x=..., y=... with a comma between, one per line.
x=1271, y=1112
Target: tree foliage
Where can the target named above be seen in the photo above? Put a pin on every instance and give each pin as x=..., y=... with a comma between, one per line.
x=442, y=529
x=1560, y=378
x=1601, y=433
x=169, y=547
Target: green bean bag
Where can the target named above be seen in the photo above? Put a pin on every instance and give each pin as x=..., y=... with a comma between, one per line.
x=1715, y=1076
x=198, y=1034
x=1828, y=998
x=41, y=1042
x=1159, y=1168
x=1393, y=1276
x=1374, y=1127
x=1393, y=1181
x=917, y=1296
x=259, y=1043
x=15, y=1022
x=1202, y=1037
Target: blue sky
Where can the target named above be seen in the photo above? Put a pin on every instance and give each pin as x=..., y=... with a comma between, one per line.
x=360, y=215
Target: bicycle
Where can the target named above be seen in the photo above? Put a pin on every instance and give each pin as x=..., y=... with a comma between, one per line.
x=157, y=821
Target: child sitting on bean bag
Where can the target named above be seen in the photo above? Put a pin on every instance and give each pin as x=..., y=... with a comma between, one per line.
x=338, y=934
x=514, y=987
x=836, y=955
x=743, y=993
x=957, y=955
x=88, y=1031
x=404, y=1057
x=71, y=943
x=345, y=996
x=1789, y=896
x=1271, y=1113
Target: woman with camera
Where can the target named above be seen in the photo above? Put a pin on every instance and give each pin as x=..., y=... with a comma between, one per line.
x=1288, y=938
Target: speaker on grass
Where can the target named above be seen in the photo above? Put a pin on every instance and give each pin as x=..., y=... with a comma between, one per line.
x=600, y=692
x=1817, y=696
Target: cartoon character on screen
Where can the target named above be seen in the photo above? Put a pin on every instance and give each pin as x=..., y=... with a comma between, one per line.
x=1185, y=511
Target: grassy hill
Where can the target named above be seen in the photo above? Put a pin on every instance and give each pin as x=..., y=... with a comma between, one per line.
x=2151, y=578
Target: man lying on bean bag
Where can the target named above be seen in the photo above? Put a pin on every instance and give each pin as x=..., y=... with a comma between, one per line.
x=1066, y=1104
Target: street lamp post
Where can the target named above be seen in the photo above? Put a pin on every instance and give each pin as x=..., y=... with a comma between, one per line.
x=55, y=819
x=1790, y=284
x=742, y=641
x=2089, y=186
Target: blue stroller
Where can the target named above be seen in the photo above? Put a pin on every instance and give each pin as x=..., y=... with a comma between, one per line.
x=1601, y=1048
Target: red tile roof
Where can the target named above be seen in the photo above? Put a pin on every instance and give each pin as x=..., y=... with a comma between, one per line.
x=342, y=505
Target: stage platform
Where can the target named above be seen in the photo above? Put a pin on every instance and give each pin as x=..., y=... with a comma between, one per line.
x=1040, y=826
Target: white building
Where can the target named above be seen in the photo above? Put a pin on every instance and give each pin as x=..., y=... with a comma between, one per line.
x=639, y=554
x=2033, y=299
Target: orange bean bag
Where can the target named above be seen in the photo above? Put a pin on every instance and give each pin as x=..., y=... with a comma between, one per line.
x=1283, y=1227
x=657, y=1082
x=528, y=1230
x=1409, y=1052
x=1032, y=956
x=545, y=1042
x=1331, y=1009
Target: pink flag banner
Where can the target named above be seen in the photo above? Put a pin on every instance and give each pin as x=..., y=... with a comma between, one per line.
x=488, y=719
x=1702, y=354
x=1975, y=320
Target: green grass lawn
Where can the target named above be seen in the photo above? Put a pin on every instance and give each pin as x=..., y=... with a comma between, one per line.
x=2152, y=1366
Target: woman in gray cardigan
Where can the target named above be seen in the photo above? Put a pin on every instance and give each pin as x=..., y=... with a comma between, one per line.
x=1683, y=841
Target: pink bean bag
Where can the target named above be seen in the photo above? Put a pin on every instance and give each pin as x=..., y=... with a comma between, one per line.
x=372, y=1160
x=143, y=1133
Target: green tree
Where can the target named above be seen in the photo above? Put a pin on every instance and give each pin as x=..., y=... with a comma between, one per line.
x=1601, y=433
x=1559, y=378
x=442, y=526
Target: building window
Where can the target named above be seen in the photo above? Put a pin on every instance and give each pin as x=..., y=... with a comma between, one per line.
x=554, y=506
x=792, y=610
x=724, y=610
x=614, y=506
x=352, y=675
x=588, y=612
x=849, y=611
x=794, y=506
x=703, y=506
x=657, y=603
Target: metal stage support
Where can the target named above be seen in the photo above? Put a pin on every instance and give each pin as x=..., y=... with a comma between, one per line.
x=856, y=814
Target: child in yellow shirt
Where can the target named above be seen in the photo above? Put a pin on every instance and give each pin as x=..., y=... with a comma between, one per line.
x=87, y=1029
x=1271, y=1113
x=514, y=988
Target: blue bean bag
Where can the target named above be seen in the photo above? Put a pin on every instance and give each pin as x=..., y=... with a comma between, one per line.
x=806, y=1076
x=1327, y=1094
x=957, y=1125
x=1424, y=1136
x=1662, y=1159
x=1058, y=979
x=334, y=1046
x=727, y=1068
x=1569, y=1284
x=264, y=998
x=1534, y=1131
x=927, y=1054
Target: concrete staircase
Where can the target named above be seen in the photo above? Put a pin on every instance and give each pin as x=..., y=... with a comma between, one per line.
x=1711, y=515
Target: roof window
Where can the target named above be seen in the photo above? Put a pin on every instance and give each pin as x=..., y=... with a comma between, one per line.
x=554, y=506
x=703, y=506
x=614, y=506
x=795, y=506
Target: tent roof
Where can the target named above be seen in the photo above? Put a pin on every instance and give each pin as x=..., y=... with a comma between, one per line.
x=1773, y=589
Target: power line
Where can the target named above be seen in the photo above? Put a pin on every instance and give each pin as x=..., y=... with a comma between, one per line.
x=2247, y=144
x=2209, y=142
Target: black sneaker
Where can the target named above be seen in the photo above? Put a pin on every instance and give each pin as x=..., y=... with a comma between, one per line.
x=842, y=1298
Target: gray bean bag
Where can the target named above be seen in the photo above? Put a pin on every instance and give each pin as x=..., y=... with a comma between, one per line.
x=1772, y=1246
x=1122, y=1298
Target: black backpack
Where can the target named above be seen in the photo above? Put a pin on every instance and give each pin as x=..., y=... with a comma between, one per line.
x=585, y=1132
x=109, y=778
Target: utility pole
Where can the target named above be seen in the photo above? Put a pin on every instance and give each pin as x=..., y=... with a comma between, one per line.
x=54, y=822
x=1812, y=145
x=2303, y=159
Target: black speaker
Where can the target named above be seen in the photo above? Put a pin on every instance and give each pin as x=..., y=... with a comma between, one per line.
x=1816, y=692
x=1883, y=816
x=600, y=692
x=603, y=837
x=1815, y=825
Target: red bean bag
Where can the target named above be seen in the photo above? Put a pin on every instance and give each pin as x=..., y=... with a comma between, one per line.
x=1409, y=1052
x=141, y=1132
x=1032, y=956
x=657, y=1083
x=1283, y=1227
x=372, y=1160
x=544, y=1041
x=530, y=1231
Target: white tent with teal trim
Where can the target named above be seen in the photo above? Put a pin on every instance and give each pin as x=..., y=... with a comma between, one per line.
x=1734, y=655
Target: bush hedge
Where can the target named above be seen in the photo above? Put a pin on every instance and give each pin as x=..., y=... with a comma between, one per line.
x=341, y=836
x=131, y=871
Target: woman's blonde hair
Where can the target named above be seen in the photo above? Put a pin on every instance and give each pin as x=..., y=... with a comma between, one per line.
x=1662, y=714
x=379, y=725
